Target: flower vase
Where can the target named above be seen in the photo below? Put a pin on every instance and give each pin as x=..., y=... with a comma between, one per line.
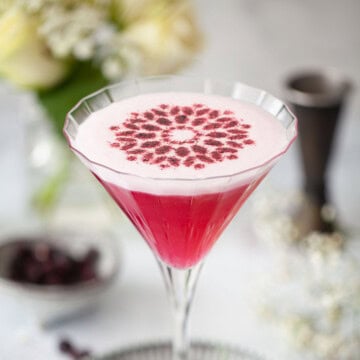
x=51, y=189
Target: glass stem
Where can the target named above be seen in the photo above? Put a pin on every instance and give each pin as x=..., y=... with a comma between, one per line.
x=180, y=286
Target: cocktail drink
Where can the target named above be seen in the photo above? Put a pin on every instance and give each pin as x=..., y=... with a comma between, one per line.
x=180, y=156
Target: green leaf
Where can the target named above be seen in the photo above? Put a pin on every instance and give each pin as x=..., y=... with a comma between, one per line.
x=83, y=80
x=45, y=198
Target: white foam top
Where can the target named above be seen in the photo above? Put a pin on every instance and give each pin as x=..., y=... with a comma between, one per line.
x=178, y=136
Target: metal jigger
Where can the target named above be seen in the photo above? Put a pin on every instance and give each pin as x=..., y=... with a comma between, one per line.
x=316, y=98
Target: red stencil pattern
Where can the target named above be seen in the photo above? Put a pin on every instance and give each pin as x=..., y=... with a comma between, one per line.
x=192, y=136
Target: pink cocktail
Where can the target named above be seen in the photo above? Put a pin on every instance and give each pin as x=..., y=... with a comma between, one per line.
x=180, y=156
x=181, y=238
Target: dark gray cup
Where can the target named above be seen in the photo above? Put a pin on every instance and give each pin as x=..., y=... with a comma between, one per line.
x=317, y=98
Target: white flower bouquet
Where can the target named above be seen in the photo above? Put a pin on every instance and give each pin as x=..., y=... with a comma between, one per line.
x=64, y=49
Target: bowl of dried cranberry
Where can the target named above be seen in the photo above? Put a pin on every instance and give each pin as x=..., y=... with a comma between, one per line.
x=55, y=276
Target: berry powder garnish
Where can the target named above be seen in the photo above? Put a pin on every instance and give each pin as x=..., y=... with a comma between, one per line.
x=170, y=136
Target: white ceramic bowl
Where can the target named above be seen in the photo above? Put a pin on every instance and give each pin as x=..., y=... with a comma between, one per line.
x=49, y=304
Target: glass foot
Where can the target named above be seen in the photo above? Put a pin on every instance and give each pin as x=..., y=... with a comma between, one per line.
x=198, y=351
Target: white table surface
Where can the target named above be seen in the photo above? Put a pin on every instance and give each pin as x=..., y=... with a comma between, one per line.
x=256, y=42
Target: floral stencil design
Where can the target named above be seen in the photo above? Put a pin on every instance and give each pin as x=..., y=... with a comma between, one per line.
x=192, y=136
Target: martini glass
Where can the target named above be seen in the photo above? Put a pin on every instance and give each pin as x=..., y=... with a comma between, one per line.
x=180, y=230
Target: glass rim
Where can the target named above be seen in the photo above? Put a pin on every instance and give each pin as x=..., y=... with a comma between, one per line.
x=164, y=77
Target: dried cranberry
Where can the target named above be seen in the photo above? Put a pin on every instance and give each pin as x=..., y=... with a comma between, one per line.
x=44, y=264
x=68, y=348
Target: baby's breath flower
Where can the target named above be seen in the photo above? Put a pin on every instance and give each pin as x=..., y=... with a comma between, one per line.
x=327, y=345
x=132, y=58
x=84, y=49
x=299, y=329
x=65, y=28
x=113, y=68
x=318, y=303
